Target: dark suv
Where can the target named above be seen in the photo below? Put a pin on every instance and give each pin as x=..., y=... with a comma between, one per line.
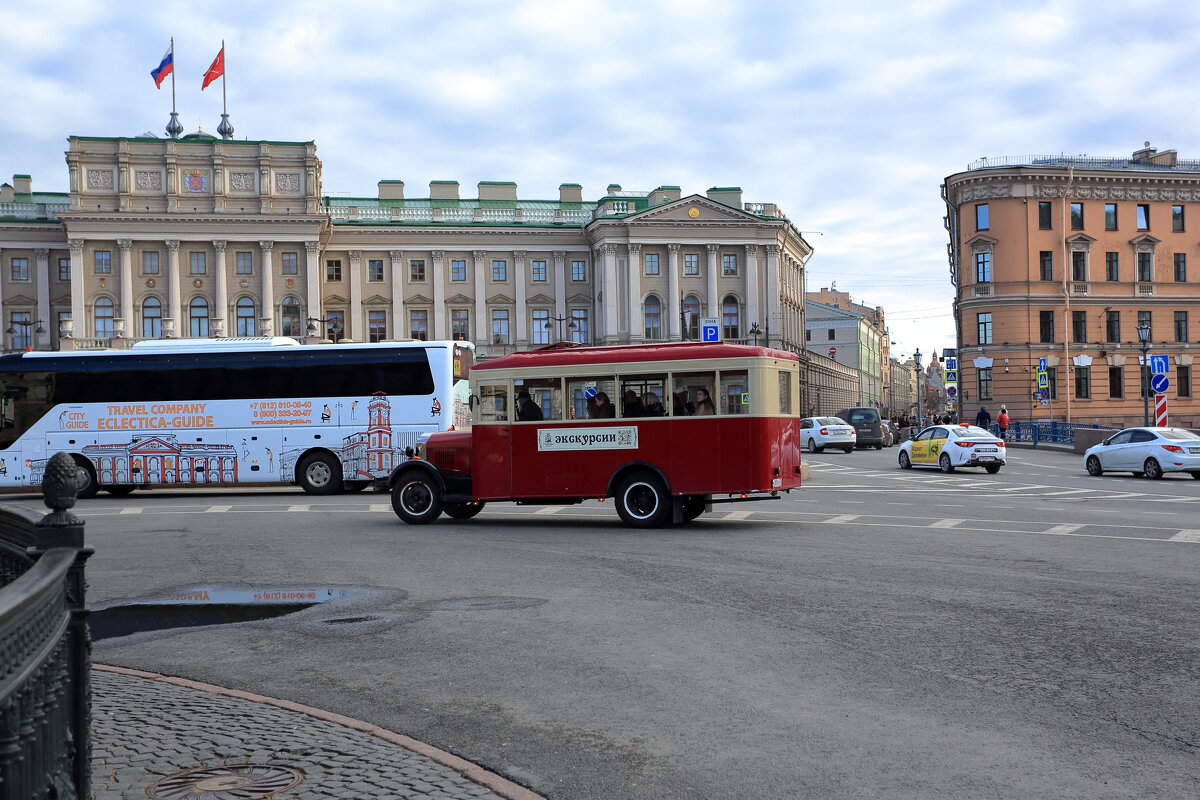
x=867, y=425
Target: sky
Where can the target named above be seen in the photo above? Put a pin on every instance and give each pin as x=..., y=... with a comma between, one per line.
x=847, y=115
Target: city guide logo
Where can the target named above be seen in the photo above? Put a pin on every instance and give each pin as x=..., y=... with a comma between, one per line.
x=588, y=439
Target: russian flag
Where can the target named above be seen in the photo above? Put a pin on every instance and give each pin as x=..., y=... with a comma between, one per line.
x=165, y=67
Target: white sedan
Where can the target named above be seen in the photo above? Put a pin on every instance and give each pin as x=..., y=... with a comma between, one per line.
x=817, y=433
x=1148, y=451
x=951, y=446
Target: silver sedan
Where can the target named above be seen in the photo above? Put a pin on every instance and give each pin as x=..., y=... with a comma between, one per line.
x=817, y=433
x=1146, y=451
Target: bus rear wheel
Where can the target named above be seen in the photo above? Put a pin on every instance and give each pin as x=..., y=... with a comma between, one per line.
x=693, y=506
x=85, y=478
x=320, y=473
x=642, y=501
x=417, y=499
x=462, y=510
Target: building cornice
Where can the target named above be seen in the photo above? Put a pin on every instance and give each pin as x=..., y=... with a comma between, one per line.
x=1033, y=184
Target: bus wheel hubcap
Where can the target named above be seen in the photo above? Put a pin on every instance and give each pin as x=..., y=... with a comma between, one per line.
x=318, y=474
x=641, y=500
x=416, y=498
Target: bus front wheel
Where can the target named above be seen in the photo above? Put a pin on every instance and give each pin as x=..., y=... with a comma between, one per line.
x=417, y=499
x=85, y=478
x=642, y=501
x=320, y=473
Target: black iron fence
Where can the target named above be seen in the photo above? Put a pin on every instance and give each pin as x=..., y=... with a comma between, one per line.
x=45, y=649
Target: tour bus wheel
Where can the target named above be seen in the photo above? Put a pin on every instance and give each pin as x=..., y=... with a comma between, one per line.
x=642, y=501
x=320, y=473
x=120, y=489
x=417, y=498
x=85, y=478
x=462, y=510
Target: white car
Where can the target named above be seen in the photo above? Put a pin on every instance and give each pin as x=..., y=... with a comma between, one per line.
x=1148, y=451
x=951, y=446
x=817, y=433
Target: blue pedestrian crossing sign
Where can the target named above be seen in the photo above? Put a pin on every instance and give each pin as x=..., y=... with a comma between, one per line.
x=1159, y=365
x=1043, y=380
x=1160, y=384
x=710, y=329
x=951, y=376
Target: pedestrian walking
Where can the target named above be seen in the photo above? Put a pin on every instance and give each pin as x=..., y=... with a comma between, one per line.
x=1003, y=422
x=983, y=418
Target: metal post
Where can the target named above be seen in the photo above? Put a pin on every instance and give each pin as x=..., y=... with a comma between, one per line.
x=1145, y=386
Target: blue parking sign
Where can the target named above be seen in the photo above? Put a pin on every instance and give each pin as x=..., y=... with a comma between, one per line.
x=710, y=329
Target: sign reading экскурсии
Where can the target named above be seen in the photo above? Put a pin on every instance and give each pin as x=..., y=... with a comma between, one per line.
x=588, y=439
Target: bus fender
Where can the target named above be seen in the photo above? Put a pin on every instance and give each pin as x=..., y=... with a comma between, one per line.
x=410, y=466
x=634, y=466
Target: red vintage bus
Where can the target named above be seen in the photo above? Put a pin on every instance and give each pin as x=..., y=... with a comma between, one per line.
x=664, y=429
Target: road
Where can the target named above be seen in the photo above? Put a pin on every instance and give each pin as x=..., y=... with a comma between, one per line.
x=880, y=633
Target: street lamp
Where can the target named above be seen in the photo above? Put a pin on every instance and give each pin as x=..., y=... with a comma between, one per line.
x=1143, y=332
x=25, y=326
x=917, y=361
x=755, y=332
x=335, y=327
x=560, y=321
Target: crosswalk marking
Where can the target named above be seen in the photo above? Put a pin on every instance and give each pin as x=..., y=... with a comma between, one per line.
x=840, y=518
x=946, y=523
x=1186, y=535
x=549, y=510
x=1069, y=528
x=299, y=508
x=217, y=509
x=738, y=514
x=375, y=507
x=131, y=510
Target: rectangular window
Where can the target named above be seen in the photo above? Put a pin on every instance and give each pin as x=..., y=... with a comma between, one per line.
x=500, y=326
x=418, y=324
x=1112, y=326
x=652, y=319
x=651, y=263
x=198, y=263
x=1112, y=266
x=579, y=270
x=335, y=325
x=1044, y=215
x=416, y=270
x=245, y=263
x=691, y=263
x=985, y=383
x=149, y=263
x=20, y=269
x=460, y=324
x=1177, y=219
x=333, y=270
x=1046, y=265
x=808, y=336
x=1083, y=382
x=375, y=270
x=1052, y=379
x=1143, y=216
x=103, y=262
x=537, y=270
x=983, y=267
x=377, y=325
x=1110, y=216
x=458, y=269
x=1077, y=216
x=1181, y=326
x=983, y=324
x=1145, y=321
x=499, y=270
x=579, y=316
x=981, y=216
x=832, y=334
x=64, y=269
x=541, y=325
x=19, y=322
x=1046, y=325
x=1078, y=266
x=1079, y=326
x=1116, y=382
x=289, y=263
x=729, y=264
x=1181, y=267
x=1183, y=381
x=1145, y=267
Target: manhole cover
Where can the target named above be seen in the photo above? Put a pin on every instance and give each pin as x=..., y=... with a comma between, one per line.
x=246, y=782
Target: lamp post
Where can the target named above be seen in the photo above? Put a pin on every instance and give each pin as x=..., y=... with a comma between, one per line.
x=1143, y=332
x=25, y=326
x=755, y=332
x=917, y=361
x=335, y=328
x=560, y=321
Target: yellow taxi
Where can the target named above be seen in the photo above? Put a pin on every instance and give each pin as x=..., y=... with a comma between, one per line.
x=948, y=447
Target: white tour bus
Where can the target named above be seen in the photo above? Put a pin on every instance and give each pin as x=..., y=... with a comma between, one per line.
x=225, y=412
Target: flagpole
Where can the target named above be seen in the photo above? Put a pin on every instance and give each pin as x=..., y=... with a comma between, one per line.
x=174, y=127
x=225, y=128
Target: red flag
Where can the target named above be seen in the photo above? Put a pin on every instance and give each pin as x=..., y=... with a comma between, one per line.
x=215, y=71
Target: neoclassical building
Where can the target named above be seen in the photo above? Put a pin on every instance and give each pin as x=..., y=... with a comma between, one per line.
x=208, y=237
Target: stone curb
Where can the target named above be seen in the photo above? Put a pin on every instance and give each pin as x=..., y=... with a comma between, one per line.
x=472, y=772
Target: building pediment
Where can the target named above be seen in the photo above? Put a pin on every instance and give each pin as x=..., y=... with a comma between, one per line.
x=979, y=240
x=1145, y=238
x=579, y=297
x=20, y=300
x=694, y=209
x=333, y=298
x=1080, y=238
x=418, y=298
x=501, y=299
x=539, y=298
x=376, y=300
x=459, y=299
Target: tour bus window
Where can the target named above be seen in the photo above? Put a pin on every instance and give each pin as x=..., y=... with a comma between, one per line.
x=734, y=388
x=785, y=392
x=691, y=394
x=493, y=403
x=592, y=397
x=642, y=395
x=545, y=392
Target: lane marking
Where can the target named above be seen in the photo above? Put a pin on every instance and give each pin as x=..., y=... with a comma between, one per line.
x=376, y=507
x=1063, y=529
x=549, y=510
x=217, y=509
x=738, y=514
x=298, y=508
x=1187, y=535
x=841, y=518
x=947, y=523
x=132, y=510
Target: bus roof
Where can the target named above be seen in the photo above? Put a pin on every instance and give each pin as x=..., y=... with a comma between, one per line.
x=248, y=344
x=555, y=355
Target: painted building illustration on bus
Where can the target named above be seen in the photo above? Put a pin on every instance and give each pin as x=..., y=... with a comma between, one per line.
x=365, y=455
x=157, y=458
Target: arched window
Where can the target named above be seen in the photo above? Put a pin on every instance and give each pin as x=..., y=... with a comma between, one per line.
x=151, y=318
x=653, y=316
x=198, y=313
x=104, y=317
x=245, y=316
x=289, y=312
x=691, y=317
x=731, y=318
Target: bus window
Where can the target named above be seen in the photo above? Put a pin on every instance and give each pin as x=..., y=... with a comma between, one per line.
x=493, y=403
x=785, y=393
x=642, y=395
x=734, y=389
x=546, y=392
x=684, y=387
x=592, y=397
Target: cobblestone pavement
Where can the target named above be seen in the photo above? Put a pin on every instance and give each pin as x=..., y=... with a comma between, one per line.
x=145, y=728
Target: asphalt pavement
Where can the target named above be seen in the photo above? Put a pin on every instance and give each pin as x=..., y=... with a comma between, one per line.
x=879, y=633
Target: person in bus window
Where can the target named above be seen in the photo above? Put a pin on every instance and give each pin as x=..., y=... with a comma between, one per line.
x=681, y=406
x=632, y=405
x=704, y=404
x=652, y=405
x=527, y=410
x=600, y=407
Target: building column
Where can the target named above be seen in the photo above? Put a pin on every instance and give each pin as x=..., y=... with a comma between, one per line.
x=174, y=312
x=42, y=261
x=354, y=314
x=267, y=299
x=438, y=276
x=522, y=313
x=399, y=323
x=4, y=342
x=633, y=298
x=774, y=290
x=312, y=271
x=221, y=289
x=713, y=300
x=126, y=278
x=612, y=324
x=753, y=307
x=481, y=323
x=560, y=286
x=673, y=307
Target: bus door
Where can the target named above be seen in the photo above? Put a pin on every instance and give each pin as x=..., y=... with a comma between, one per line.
x=538, y=456
x=492, y=451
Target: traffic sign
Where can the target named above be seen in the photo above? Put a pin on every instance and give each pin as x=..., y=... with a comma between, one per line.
x=710, y=329
x=1043, y=380
x=1041, y=365
x=1160, y=410
x=951, y=376
x=952, y=364
x=951, y=391
x=1159, y=365
x=1160, y=383
x=833, y=352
